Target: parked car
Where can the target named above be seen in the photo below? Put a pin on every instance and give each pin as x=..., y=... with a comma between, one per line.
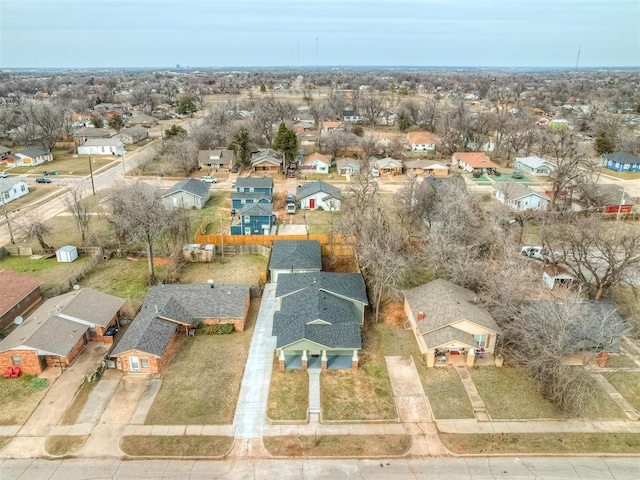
x=43, y=180
x=233, y=184
x=291, y=208
x=235, y=169
x=517, y=174
x=535, y=251
x=208, y=179
x=4, y=175
x=290, y=198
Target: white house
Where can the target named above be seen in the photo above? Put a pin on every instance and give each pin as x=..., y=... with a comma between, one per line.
x=534, y=165
x=520, y=197
x=133, y=134
x=30, y=157
x=347, y=166
x=319, y=195
x=350, y=116
x=189, y=193
x=12, y=188
x=421, y=142
x=316, y=163
x=102, y=146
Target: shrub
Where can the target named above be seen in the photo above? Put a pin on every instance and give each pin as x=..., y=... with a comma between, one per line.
x=217, y=329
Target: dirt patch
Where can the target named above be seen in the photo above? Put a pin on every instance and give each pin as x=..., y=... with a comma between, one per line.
x=340, y=264
x=176, y=446
x=393, y=314
x=338, y=445
x=237, y=269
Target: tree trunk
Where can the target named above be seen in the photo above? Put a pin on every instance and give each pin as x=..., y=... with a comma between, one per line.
x=152, y=275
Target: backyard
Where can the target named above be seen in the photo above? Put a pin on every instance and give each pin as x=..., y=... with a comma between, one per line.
x=233, y=269
x=201, y=383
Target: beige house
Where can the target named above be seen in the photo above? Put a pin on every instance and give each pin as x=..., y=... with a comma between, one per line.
x=449, y=325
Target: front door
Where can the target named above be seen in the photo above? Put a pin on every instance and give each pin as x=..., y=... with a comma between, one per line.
x=134, y=362
x=312, y=203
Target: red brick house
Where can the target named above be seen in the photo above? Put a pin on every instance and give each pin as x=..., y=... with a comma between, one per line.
x=56, y=333
x=18, y=294
x=169, y=310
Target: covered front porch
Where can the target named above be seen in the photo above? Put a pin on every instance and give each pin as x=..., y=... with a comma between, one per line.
x=464, y=357
x=321, y=360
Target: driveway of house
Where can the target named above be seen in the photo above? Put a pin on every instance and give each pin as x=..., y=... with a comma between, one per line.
x=252, y=402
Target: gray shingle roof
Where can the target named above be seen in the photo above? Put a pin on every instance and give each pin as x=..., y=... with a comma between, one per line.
x=447, y=335
x=348, y=285
x=515, y=190
x=250, y=196
x=444, y=303
x=295, y=254
x=7, y=184
x=93, y=306
x=338, y=328
x=254, y=182
x=605, y=194
x=32, y=152
x=257, y=209
x=100, y=142
x=315, y=187
x=184, y=303
x=190, y=185
x=622, y=157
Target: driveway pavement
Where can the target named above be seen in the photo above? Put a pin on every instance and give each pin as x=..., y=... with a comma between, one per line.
x=252, y=402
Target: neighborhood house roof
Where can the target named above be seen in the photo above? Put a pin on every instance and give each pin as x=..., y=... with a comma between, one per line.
x=534, y=162
x=135, y=130
x=622, y=157
x=515, y=190
x=94, y=132
x=257, y=209
x=179, y=304
x=295, y=254
x=266, y=155
x=605, y=194
x=312, y=188
x=475, y=159
x=254, y=182
x=190, y=185
x=421, y=138
x=32, y=152
x=256, y=196
x=425, y=164
x=444, y=304
x=103, y=142
x=4, y=150
x=14, y=287
x=219, y=155
x=317, y=156
x=348, y=285
x=7, y=184
x=387, y=161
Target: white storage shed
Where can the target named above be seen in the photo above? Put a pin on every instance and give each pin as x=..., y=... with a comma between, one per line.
x=67, y=253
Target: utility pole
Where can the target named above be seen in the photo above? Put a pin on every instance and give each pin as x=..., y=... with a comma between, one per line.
x=93, y=187
x=6, y=215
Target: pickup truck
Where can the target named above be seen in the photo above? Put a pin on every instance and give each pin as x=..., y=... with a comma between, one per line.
x=209, y=179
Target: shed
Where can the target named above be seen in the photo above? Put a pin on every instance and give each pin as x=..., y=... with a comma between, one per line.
x=67, y=253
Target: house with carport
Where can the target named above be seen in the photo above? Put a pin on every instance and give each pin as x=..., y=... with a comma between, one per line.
x=169, y=311
x=57, y=331
x=472, y=162
x=266, y=160
x=319, y=195
x=449, y=324
x=318, y=320
x=294, y=256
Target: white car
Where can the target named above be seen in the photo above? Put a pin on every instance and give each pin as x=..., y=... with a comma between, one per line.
x=535, y=251
x=4, y=175
x=209, y=179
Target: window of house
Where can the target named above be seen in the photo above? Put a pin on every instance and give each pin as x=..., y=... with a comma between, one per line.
x=17, y=361
x=481, y=340
x=144, y=363
x=246, y=219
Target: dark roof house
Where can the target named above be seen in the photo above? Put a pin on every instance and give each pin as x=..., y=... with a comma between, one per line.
x=294, y=256
x=189, y=193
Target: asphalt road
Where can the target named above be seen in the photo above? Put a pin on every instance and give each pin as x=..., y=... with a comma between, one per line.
x=334, y=469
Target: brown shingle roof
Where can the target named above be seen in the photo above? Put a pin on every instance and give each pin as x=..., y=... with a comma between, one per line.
x=475, y=159
x=14, y=287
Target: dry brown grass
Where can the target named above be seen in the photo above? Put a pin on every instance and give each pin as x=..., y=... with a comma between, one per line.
x=447, y=395
x=176, y=446
x=338, y=445
x=201, y=383
x=78, y=403
x=628, y=384
x=59, y=445
x=542, y=443
x=244, y=269
x=288, y=394
x=19, y=397
x=65, y=164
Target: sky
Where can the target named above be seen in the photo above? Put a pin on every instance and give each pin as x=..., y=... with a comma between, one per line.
x=250, y=33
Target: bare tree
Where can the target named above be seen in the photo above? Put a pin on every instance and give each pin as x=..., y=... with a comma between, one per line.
x=81, y=208
x=182, y=154
x=33, y=226
x=49, y=120
x=598, y=254
x=139, y=215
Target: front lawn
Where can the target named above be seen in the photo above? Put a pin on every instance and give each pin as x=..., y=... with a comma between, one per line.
x=66, y=164
x=19, y=397
x=628, y=384
x=447, y=395
x=202, y=381
x=288, y=394
x=621, y=175
x=338, y=445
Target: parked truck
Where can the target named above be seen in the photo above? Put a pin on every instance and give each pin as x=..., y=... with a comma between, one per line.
x=291, y=203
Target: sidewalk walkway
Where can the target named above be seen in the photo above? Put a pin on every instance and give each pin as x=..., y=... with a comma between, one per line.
x=251, y=410
x=479, y=408
x=314, y=394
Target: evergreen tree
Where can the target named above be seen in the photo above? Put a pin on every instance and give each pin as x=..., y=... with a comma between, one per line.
x=287, y=142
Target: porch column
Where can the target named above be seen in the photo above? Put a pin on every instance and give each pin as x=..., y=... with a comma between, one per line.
x=431, y=358
x=354, y=361
x=281, y=359
x=471, y=357
x=324, y=360
x=304, y=359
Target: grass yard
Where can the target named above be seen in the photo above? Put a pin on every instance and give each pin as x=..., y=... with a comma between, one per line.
x=319, y=221
x=338, y=445
x=201, y=383
x=65, y=164
x=217, y=208
x=621, y=360
x=4, y=441
x=288, y=394
x=36, y=192
x=19, y=397
x=628, y=384
x=447, y=395
x=508, y=393
x=627, y=302
x=176, y=446
x=48, y=270
x=79, y=401
x=59, y=445
x=230, y=269
x=621, y=175
x=600, y=406
x=542, y=443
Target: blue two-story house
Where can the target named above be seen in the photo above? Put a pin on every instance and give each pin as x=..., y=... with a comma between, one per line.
x=621, y=162
x=254, y=219
x=239, y=200
x=255, y=185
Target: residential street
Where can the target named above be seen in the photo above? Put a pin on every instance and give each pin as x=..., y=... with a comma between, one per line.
x=612, y=468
